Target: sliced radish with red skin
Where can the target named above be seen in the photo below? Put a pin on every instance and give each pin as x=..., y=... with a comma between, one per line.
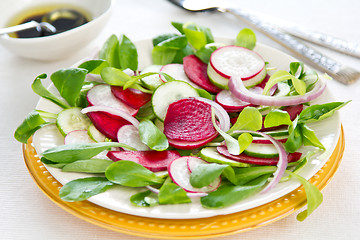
x=192, y=163
x=107, y=124
x=78, y=136
x=232, y=104
x=155, y=161
x=129, y=135
x=189, y=120
x=238, y=61
x=180, y=174
x=292, y=157
x=101, y=95
x=176, y=70
x=130, y=96
x=196, y=71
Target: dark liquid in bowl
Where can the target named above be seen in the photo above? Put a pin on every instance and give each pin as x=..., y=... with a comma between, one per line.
x=63, y=19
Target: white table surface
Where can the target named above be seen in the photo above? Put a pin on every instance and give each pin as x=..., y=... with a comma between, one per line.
x=26, y=213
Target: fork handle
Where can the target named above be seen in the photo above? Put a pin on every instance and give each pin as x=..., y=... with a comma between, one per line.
x=297, y=47
x=337, y=44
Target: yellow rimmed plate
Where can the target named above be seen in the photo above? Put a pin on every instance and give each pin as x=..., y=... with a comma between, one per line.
x=220, y=225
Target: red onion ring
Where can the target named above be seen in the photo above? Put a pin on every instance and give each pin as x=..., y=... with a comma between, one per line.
x=238, y=89
x=112, y=111
x=220, y=112
x=282, y=163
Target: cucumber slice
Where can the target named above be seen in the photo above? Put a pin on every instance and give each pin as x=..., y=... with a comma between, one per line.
x=216, y=79
x=261, y=150
x=72, y=119
x=153, y=81
x=168, y=93
x=278, y=133
x=95, y=134
x=210, y=154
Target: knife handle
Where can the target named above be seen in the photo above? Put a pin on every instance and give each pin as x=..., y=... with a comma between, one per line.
x=295, y=46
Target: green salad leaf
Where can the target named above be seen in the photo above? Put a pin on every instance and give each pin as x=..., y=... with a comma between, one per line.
x=246, y=38
x=69, y=83
x=84, y=188
x=152, y=136
x=313, y=195
x=28, y=127
x=131, y=174
x=170, y=193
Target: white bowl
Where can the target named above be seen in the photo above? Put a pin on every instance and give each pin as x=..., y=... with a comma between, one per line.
x=60, y=45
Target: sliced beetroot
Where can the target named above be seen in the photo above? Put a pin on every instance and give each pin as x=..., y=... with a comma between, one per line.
x=196, y=70
x=294, y=110
x=153, y=160
x=189, y=120
x=186, y=145
x=292, y=157
x=132, y=97
x=107, y=124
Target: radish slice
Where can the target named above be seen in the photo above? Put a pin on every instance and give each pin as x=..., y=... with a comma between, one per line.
x=230, y=103
x=238, y=89
x=231, y=61
x=130, y=96
x=233, y=104
x=281, y=165
x=194, y=162
x=129, y=135
x=112, y=111
x=153, y=160
x=196, y=71
x=180, y=174
x=101, y=95
x=78, y=136
x=176, y=71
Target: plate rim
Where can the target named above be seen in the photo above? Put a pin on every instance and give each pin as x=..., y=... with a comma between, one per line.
x=215, y=226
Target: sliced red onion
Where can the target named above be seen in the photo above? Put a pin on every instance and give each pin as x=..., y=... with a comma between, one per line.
x=238, y=89
x=112, y=111
x=220, y=112
x=282, y=163
x=190, y=195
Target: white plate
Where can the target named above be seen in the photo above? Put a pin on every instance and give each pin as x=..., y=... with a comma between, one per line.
x=117, y=198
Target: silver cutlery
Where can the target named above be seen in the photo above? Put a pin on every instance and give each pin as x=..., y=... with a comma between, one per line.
x=338, y=71
x=32, y=24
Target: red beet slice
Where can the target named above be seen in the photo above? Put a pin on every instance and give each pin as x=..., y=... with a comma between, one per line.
x=186, y=145
x=153, y=160
x=132, y=97
x=107, y=124
x=189, y=120
x=292, y=157
x=196, y=71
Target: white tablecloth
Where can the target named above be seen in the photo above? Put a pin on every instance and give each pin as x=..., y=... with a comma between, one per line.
x=26, y=213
